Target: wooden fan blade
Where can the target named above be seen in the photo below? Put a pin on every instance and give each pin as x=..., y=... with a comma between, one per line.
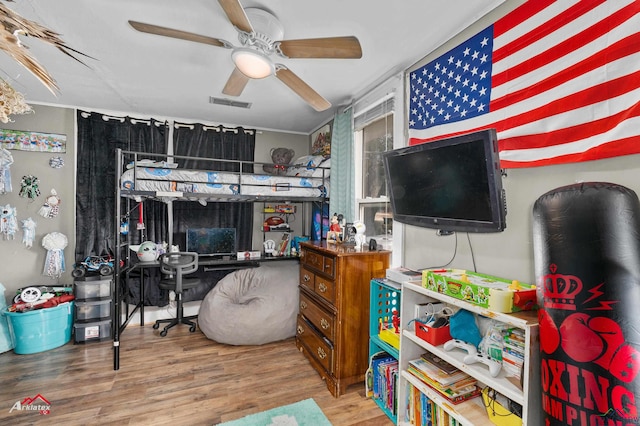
x=236, y=15
x=183, y=35
x=302, y=89
x=236, y=83
x=329, y=47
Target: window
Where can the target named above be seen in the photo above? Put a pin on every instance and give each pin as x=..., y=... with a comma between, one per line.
x=374, y=136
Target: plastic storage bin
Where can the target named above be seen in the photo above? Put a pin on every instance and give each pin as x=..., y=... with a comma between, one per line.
x=92, y=288
x=42, y=329
x=92, y=331
x=93, y=310
x=435, y=336
x=5, y=336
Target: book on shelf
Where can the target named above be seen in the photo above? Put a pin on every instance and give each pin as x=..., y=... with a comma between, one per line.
x=454, y=397
x=374, y=361
x=385, y=380
x=284, y=248
x=436, y=374
x=443, y=365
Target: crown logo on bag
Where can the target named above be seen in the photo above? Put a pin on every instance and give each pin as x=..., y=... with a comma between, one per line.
x=560, y=290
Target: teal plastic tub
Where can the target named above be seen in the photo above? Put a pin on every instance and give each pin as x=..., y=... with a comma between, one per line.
x=40, y=330
x=5, y=337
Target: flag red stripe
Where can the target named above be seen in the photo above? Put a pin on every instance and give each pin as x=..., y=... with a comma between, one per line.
x=416, y=141
x=569, y=134
x=519, y=15
x=620, y=49
x=589, y=96
x=563, y=48
x=625, y=146
x=541, y=31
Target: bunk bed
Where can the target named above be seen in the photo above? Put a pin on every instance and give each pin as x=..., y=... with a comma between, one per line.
x=143, y=177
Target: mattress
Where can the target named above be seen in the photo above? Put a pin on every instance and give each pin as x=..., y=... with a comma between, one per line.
x=187, y=181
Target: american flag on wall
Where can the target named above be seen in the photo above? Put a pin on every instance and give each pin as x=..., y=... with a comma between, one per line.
x=558, y=80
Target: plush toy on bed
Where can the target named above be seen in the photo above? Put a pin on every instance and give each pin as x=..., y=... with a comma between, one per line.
x=281, y=158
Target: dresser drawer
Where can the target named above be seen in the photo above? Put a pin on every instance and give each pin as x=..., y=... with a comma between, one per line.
x=319, y=262
x=308, y=279
x=325, y=288
x=315, y=344
x=322, y=320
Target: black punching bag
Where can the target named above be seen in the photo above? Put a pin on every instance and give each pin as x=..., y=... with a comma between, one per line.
x=586, y=240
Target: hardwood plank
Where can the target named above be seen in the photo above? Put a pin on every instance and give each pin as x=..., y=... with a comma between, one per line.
x=183, y=378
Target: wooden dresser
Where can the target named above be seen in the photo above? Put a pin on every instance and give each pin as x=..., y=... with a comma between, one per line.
x=333, y=323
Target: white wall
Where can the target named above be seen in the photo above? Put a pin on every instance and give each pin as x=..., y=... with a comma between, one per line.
x=20, y=266
x=509, y=254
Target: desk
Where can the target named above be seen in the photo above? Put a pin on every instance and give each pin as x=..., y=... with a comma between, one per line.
x=207, y=263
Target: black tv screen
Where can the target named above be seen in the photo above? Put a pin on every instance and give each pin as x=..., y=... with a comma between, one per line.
x=452, y=184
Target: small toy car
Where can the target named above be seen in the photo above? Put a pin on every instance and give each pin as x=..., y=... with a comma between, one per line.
x=100, y=264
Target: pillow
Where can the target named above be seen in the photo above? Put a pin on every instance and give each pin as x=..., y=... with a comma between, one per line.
x=326, y=168
x=305, y=166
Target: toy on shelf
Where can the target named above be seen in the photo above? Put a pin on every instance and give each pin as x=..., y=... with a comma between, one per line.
x=103, y=265
x=389, y=331
x=493, y=293
x=334, y=235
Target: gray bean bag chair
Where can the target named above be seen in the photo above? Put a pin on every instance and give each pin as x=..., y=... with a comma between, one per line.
x=252, y=306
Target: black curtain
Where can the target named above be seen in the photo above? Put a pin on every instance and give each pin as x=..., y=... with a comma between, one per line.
x=197, y=140
x=98, y=138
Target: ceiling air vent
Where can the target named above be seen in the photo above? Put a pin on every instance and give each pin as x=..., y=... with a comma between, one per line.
x=229, y=102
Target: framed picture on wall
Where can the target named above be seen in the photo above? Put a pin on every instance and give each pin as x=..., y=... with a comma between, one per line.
x=321, y=140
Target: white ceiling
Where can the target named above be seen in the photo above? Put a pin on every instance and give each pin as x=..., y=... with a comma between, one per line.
x=146, y=75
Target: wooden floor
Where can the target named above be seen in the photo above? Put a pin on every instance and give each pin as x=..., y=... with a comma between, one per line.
x=181, y=379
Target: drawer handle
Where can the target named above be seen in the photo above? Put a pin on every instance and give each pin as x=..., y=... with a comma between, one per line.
x=306, y=278
x=327, y=267
x=322, y=354
x=300, y=329
x=324, y=323
x=303, y=305
x=322, y=288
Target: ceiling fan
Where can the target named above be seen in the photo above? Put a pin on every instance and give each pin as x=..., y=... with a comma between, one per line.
x=260, y=35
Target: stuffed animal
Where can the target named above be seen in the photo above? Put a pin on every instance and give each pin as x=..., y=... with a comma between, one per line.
x=281, y=158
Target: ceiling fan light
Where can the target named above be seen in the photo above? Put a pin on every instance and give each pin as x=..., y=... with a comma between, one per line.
x=252, y=63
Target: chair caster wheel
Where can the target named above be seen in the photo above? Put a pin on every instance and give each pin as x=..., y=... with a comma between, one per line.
x=156, y=326
x=192, y=328
x=163, y=333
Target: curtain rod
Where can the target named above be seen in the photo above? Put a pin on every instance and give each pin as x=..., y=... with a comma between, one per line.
x=216, y=128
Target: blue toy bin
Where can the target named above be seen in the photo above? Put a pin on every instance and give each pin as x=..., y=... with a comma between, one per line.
x=41, y=329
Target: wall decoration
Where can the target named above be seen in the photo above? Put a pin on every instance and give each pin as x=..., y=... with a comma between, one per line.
x=56, y=162
x=28, y=232
x=8, y=222
x=54, y=243
x=6, y=160
x=321, y=141
x=51, y=205
x=29, y=187
x=32, y=141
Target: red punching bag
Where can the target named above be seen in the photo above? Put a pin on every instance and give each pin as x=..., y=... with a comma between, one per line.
x=586, y=240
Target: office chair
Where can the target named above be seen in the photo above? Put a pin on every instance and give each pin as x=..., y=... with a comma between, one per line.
x=175, y=265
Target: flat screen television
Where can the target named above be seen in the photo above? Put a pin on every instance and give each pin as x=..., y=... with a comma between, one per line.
x=451, y=184
x=212, y=241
